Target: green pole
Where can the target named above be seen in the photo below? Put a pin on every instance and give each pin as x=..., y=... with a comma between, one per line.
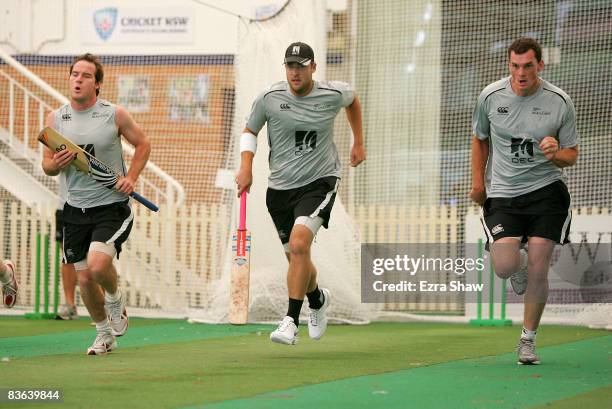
x=491, y=289
x=56, y=278
x=503, y=300
x=46, y=277
x=37, y=277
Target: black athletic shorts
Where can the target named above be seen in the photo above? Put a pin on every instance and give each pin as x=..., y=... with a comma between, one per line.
x=59, y=225
x=108, y=224
x=542, y=213
x=314, y=199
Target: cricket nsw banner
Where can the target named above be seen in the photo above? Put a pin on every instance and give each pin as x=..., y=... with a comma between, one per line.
x=137, y=25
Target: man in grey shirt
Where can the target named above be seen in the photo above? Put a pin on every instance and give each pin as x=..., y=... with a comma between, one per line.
x=524, y=135
x=304, y=173
x=97, y=220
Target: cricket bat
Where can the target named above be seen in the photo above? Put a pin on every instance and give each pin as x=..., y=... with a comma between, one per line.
x=87, y=163
x=239, y=282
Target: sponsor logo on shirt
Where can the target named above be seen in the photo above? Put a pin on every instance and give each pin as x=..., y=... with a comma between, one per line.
x=305, y=142
x=285, y=107
x=503, y=110
x=522, y=149
x=89, y=148
x=322, y=107
x=66, y=117
x=96, y=114
x=539, y=111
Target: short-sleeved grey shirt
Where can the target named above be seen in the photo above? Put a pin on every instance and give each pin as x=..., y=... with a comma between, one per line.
x=300, y=131
x=514, y=126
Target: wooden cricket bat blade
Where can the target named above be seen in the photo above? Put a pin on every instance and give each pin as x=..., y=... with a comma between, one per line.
x=239, y=281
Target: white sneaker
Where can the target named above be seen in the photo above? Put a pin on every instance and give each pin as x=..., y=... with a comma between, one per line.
x=67, y=312
x=518, y=280
x=9, y=290
x=317, y=321
x=286, y=333
x=104, y=342
x=527, y=352
x=117, y=315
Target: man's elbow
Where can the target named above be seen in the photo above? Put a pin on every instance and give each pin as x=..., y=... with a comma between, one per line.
x=144, y=146
x=147, y=148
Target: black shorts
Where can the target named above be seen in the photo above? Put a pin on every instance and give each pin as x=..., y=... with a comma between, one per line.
x=542, y=213
x=59, y=225
x=107, y=224
x=314, y=199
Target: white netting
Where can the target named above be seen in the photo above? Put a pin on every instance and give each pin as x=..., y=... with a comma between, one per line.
x=336, y=251
x=418, y=68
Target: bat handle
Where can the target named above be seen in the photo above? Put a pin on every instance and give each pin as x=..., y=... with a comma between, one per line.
x=146, y=203
x=242, y=222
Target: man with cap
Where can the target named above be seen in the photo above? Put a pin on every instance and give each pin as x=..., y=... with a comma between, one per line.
x=304, y=173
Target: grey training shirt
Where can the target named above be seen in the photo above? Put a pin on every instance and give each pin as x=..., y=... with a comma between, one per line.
x=95, y=131
x=300, y=131
x=514, y=126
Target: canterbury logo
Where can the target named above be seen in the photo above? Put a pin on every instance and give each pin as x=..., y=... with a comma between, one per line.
x=502, y=110
x=285, y=107
x=296, y=50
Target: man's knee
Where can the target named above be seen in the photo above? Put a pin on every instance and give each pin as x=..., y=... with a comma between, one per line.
x=99, y=258
x=504, y=270
x=300, y=240
x=505, y=255
x=85, y=278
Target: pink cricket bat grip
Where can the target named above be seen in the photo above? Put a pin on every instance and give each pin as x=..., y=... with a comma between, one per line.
x=242, y=223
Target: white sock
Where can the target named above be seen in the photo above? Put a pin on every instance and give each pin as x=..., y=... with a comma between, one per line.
x=524, y=258
x=113, y=297
x=103, y=326
x=5, y=275
x=527, y=334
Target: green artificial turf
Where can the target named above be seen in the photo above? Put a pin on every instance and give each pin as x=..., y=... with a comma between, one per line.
x=164, y=364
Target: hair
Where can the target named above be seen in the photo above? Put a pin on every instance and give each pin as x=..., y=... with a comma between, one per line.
x=94, y=60
x=524, y=44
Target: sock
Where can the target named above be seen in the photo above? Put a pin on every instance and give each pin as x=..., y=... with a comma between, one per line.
x=294, y=310
x=103, y=326
x=523, y=259
x=5, y=276
x=526, y=334
x=113, y=297
x=315, y=299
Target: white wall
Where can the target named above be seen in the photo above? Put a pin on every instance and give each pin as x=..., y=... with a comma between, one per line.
x=57, y=27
